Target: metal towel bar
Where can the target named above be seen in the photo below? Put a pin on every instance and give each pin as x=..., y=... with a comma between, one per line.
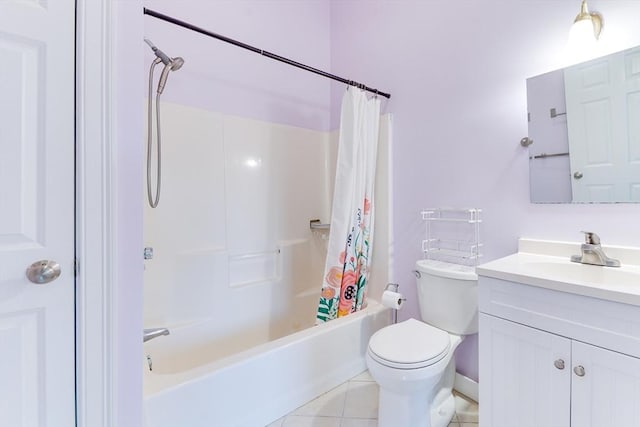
x=545, y=155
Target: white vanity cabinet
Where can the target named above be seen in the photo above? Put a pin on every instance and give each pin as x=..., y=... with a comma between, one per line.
x=556, y=359
x=519, y=385
x=608, y=394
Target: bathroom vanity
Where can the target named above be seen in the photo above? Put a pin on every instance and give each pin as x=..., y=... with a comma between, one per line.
x=559, y=341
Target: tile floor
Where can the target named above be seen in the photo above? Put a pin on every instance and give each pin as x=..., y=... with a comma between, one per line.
x=355, y=404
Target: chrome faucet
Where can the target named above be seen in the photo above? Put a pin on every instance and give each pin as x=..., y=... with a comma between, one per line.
x=592, y=252
x=149, y=334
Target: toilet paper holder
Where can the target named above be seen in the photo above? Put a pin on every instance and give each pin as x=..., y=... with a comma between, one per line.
x=394, y=287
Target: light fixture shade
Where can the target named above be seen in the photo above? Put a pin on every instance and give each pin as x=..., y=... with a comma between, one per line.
x=583, y=36
x=593, y=18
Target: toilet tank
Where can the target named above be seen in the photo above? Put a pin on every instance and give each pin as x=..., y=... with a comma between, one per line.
x=448, y=296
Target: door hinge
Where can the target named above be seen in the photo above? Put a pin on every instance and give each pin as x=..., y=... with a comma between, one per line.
x=76, y=267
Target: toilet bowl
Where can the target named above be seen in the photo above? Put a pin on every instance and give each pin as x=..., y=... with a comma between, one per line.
x=412, y=361
x=408, y=360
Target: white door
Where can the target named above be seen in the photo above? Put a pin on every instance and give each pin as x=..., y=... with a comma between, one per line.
x=605, y=388
x=525, y=376
x=37, y=356
x=603, y=106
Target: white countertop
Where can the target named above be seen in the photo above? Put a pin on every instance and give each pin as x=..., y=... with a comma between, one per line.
x=546, y=264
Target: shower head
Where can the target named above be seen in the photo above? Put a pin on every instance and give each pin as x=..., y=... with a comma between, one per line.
x=176, y=63
x=170, y=64
x=173, y=65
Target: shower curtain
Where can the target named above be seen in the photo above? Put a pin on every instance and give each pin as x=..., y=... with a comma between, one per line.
x=349, y=250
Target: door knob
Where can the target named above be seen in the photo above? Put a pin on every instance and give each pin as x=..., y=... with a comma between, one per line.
x=526, y=141
x=579, y=370
x=578, y=175
x=559, y=364
x=43, y=271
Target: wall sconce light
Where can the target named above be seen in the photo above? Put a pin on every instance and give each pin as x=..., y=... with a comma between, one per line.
x=583, y=37
x=587, y=25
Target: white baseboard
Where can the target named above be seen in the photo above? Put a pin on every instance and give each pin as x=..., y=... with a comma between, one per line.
x=466, y=386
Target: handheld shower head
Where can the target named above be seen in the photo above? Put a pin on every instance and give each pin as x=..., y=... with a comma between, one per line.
x=170, y=64
x=176, y=63
x=173, y=65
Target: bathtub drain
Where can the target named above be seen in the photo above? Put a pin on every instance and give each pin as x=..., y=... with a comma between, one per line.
x=149, y=362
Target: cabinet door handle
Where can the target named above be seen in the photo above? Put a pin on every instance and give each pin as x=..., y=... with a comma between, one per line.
x=579, y=370
x=559, y=364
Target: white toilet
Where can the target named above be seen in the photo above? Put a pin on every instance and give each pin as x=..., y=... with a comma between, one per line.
x=412, y=361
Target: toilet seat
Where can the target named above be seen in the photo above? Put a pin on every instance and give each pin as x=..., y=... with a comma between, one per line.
x=411, y=344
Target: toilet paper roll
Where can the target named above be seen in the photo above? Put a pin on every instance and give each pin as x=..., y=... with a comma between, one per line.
x=393, y=300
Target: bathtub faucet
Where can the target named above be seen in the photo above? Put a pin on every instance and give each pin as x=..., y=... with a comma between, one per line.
x=152, y=333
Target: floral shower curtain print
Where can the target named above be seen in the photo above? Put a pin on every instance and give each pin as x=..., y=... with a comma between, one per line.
x=349, y=250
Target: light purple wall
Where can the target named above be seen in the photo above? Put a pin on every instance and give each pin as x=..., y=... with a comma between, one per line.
x=456, y=70
x=224, y=78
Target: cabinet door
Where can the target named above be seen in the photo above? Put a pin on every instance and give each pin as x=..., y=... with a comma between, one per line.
x=520, y=384
x=607, y=391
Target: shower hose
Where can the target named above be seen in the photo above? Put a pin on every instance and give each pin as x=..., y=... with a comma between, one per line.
x=153, y=201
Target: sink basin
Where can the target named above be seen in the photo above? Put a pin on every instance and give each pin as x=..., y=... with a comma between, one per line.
x=572, y=272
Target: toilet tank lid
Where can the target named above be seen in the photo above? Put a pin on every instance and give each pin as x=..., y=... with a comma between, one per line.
x=446, y=269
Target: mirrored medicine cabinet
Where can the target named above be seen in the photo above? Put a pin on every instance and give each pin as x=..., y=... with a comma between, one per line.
x=584, y=124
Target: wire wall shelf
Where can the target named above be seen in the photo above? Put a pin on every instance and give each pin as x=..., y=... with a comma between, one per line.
x=452, y=235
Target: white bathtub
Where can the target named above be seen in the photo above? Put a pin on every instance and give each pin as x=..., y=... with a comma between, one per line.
x=257, y=386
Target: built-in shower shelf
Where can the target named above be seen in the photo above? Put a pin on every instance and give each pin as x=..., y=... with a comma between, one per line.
x=254, y=267
x=316, y=224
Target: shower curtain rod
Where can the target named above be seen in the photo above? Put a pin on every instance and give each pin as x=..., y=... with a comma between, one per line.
x=192, y=27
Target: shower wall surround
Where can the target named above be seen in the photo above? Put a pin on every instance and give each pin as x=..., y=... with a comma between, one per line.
x=231, y=235
x=457, y=71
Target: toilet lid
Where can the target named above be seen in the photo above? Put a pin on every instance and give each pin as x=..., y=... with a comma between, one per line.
x=409, y=345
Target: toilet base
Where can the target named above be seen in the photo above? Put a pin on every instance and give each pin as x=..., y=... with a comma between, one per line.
x=442, y=414
x=419, y=408
x=443, y=405
x=399, y=411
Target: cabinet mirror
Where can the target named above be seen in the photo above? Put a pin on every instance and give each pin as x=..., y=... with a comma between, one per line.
x=584, y=121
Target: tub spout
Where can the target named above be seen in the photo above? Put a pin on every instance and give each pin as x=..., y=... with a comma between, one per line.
x=152, y=333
